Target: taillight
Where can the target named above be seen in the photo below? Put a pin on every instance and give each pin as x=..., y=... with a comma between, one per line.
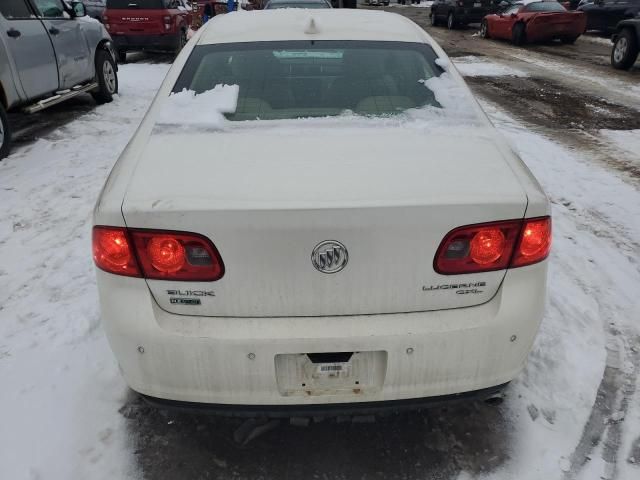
x=494, y=246
x=166, y=255
x=112, y=251
x=535, y=242
x=167, y=22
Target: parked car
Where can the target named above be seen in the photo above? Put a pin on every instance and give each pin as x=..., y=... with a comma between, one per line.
x=147, y=25
x=377, y=2
x=50, y=52
x=288, y=264
x=534, y=22
x=457, y=13
x=95, y=8
x=604, y=15
x=314, y=4
x=626, y=44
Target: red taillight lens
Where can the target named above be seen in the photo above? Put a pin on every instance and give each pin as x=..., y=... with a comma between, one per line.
x=535, y=242
x=112, y=251
x=487, y=246
x=494, y=246
x=154, y=254
x=166, y=254
x=177, y=256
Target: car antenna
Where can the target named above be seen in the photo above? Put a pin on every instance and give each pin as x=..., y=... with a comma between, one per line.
x=312, y=28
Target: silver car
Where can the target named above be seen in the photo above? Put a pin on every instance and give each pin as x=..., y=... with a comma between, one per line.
x=50, y=51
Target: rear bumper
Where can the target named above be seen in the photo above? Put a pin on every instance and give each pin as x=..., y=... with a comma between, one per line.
x=146, y=42
x=231, y=361
x=322, y=410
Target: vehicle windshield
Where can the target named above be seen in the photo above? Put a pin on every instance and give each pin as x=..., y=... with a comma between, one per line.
x=545, y=7
x=298, y=79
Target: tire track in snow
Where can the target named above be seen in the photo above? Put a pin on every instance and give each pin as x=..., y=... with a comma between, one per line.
x=616, y=388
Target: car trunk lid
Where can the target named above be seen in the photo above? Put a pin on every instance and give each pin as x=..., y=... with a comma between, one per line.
x=266, y=201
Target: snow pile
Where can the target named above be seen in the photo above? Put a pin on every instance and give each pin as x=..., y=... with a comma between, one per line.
x=188, y=109
x=471, y=66
x=61, y=388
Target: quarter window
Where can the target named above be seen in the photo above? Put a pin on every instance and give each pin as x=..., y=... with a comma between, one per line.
x=11, y=9
x=50, y=8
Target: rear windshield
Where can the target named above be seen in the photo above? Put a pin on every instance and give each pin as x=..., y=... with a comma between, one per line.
x=298, y=79
x=545, y=7
x=139, y=4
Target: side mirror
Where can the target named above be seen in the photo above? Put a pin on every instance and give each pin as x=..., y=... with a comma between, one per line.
x=514, y=15
x=79, y=10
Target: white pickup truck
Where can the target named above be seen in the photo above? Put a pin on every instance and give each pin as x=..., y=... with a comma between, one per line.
x=50, y=51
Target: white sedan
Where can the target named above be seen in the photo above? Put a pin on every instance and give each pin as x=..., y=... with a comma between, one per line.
x=315, y=214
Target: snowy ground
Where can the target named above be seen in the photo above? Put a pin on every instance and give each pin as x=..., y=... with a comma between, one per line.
x=573, y=414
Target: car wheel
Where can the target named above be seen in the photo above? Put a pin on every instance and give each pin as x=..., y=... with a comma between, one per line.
x=434, y=19
x=451, y=21
x=182, y=41
x=106, y=77
x=519, y=34
x=122, y=56
x=625, y=50
x=569, y=40
x=484, y=29
x=5, y=134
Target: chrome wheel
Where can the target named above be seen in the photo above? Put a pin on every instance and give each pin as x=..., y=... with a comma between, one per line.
x=1, y=135
x=109, y=75
x=620, y=49
x=450, y=21
x=483, y=29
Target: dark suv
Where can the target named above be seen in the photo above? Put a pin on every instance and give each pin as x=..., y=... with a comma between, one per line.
x=455, y=13
x=626, y=44
x=604, y=15
x=147, y=25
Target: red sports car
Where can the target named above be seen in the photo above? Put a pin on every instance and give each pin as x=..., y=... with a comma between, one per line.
x=534, y=21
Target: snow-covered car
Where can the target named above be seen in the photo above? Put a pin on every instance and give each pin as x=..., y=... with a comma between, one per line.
x=316, y=213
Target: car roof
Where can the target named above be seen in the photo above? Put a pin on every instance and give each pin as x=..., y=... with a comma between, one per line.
x=318, y=24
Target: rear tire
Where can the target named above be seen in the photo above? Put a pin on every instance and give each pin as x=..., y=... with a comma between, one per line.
x=484, y=29
x=519, y=34
x=625, y=51
x=5, y=134
x=451, y=21
x=106, y=77
x=182, y=41
x=434, y=20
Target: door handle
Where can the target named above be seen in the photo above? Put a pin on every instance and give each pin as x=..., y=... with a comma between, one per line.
x=13, y=33
x=54, y=31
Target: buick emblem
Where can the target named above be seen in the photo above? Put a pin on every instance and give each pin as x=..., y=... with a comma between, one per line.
x=329, y=256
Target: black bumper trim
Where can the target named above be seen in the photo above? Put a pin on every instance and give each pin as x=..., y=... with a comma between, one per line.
x=331, y=409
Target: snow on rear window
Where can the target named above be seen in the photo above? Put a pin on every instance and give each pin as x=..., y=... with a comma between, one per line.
x=303, y=79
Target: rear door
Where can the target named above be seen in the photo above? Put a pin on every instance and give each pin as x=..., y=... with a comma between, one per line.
x=137, y=17
x=75, y=64
x=30, y=47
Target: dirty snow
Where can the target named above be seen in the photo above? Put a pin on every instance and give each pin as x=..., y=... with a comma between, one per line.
x=626, y=140
x=472, y=66
x=61, y=386
x=61, y=389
